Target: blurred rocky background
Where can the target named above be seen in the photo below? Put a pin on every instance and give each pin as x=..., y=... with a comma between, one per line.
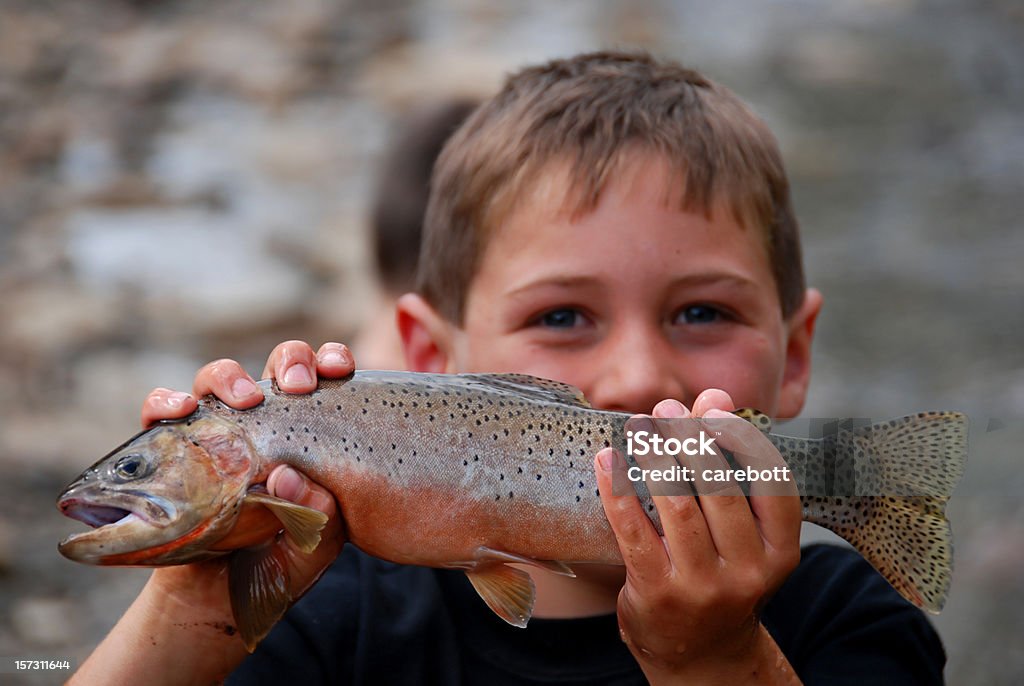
x=181, y=181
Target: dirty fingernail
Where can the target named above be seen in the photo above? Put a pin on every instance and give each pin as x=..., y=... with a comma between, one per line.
x=243, y=388
x=297, y=374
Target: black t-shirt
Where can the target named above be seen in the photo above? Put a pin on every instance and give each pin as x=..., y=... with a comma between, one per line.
x=373, y=622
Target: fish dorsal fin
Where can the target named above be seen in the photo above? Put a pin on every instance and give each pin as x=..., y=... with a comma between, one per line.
x=303, y=524
x=508, y=591
x=532, y=387
x=258, y=588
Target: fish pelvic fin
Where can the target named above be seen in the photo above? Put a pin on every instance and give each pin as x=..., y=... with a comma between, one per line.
x=892, y=483
x=258, y=588
x=302, y=523
x=508, y=591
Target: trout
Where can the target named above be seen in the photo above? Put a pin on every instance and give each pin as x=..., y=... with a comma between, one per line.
x=470, y=471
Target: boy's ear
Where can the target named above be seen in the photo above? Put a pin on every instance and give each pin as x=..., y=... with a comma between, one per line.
x=797, y=374
x=427, y=337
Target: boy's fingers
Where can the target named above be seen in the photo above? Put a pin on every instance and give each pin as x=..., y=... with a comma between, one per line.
x=712, y=398
x=334, y=361
x=228, y=381
x=293, y=365
x=290, y=484
x=164, y=403
x=773, y=500
x=642, y=551
x=686, y=531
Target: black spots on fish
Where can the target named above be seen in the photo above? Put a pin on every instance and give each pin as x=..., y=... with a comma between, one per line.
x=287, y=408
x=597, y=493
x=650, y=507
x=494, y=437
x=581, y=484
x=501, y=476
x=577, y=498
x=476, y=458
x=538, y=477
x=430, y=418
x=520, y=470
x=529, y=451
x=400, y=461
x=571, y=464
x=465, y=463
x=511, y=494
x=305, y=449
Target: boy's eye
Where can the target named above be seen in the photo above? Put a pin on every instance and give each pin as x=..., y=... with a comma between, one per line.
x=699, y=314
x=563, y=318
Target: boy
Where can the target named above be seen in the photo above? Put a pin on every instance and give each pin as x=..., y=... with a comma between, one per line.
x=622, y=225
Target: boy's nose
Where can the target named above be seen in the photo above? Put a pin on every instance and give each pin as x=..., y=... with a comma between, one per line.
x=638, y=371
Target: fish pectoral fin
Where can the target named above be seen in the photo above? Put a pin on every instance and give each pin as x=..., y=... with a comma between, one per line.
x=302, y=523
x=508, y=591
x=258, y=588
x=486, y=555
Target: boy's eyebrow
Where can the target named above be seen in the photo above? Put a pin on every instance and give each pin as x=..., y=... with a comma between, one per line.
x=708, y=278
x=558, y=281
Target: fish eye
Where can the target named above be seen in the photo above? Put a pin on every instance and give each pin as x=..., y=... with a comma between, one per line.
x=131, y=467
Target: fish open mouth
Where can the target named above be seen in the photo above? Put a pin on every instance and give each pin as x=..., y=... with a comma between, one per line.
x=94, y=515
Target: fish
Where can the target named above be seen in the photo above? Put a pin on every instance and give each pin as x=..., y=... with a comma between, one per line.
x=472, y=472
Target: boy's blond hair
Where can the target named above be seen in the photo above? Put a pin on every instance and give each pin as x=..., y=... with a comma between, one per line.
x=590, y=111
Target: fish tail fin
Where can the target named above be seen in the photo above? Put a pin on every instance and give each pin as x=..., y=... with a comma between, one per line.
x=891, y=485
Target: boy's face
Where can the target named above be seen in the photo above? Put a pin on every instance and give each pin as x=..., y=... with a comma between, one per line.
x=633, y=303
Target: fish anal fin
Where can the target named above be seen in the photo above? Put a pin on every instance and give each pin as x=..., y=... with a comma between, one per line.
x=485, y=555
x=508, y=591
x=258, y=588
x=302, y=523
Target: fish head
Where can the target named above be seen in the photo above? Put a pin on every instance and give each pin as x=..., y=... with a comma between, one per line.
x=163, y=496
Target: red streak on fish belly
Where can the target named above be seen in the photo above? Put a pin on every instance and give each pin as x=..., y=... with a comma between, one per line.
x=435, y=525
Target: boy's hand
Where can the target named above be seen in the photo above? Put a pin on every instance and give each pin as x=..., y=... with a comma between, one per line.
x=689, y=607
x=186, y=609
x=296, y=368
x=292, y=363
